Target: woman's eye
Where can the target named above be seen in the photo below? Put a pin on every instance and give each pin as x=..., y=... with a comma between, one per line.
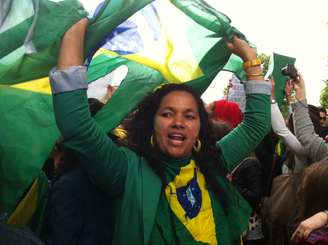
x=190, y=117
x=166, y=114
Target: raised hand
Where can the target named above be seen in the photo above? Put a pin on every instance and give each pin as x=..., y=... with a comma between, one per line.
x=299, y=87
x=241, y=48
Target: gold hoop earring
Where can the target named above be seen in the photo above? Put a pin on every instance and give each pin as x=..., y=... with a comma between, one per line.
x=197, y=146
x=152, y=141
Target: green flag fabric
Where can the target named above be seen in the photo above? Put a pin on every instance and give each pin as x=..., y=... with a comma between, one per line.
x=29, y=37
x=277, y=62
x=30, y=33
x=28, y=132
x=235, y=65
x=173, y=41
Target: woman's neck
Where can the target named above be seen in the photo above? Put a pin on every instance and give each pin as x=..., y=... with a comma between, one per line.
x=181, y=161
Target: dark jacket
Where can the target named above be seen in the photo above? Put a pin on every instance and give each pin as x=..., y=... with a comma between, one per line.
x=248, y=179
x=79, y=211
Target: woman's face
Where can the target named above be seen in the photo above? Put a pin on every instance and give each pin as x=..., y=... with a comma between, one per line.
x=177, y=124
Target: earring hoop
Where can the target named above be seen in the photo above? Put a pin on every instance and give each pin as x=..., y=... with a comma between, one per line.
x=197, y=146
x=152, y=141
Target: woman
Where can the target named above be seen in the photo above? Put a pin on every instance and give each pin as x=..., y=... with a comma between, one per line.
x=313, y=194
x=169, y=183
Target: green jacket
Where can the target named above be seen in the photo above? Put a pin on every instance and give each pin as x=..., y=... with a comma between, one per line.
x=127, y=176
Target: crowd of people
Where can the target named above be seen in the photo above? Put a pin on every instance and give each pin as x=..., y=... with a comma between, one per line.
x=177, y=171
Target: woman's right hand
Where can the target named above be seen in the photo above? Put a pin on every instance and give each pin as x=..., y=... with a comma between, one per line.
x=307, y=226
x=72, y=45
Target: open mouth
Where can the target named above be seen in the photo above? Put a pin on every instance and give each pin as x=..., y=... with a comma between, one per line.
x=176, y=139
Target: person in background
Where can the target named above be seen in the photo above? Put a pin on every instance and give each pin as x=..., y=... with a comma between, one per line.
x=220, y=129
x=226, y=111
x=316, y=147
x=279, y=127
x=323, y=123
x=323, y=117
x=248, y=179
x=78, y=210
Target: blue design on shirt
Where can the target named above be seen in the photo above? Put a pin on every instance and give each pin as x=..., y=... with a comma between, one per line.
x=190, y=197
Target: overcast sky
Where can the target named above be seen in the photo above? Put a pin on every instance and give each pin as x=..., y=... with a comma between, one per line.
x=289, y=27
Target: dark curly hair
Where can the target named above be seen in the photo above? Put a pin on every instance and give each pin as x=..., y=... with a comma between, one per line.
x=140, y=128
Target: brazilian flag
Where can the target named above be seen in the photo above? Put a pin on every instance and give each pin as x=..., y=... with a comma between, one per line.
x=30, y=33
x=166, y=41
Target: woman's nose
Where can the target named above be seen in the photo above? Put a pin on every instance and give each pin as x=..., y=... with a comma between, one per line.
x=178, y=123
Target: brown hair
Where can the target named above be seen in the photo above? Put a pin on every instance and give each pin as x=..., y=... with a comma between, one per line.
x=220, y=129
x=314, y=189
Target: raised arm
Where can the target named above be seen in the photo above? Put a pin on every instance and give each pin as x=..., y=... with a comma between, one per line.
x=102, y=159
x=304, y=129
x=279, y=127
x=240, y=142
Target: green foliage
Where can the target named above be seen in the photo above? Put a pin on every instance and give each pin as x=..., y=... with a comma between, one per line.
x=284, y=108
x=225, y=91
x=324, y=96
x=265, y=60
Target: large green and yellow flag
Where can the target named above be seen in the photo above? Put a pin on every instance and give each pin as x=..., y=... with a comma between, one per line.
x=168, y=41
x=30, y=33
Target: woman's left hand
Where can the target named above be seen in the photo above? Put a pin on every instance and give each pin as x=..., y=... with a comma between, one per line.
x=241, y=48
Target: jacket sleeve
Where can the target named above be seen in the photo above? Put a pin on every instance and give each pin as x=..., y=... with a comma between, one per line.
x=241, y=141
x=304, y=129
x=104, y=161
x=249, y=182
x=280, y=128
